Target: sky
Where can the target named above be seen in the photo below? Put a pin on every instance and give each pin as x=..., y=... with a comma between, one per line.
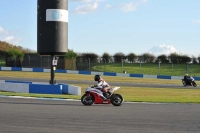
x=112, y=26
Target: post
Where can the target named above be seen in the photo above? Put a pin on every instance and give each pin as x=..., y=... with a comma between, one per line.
x=172, y=66
x=52, y=81
x=140, y=65
x=52, y=30
x=15, y=60
x=186, y=67
x=48, y=62
x=28, y=60
x=122, y=66
x=72, y=64
x=89, y=63
x=81, y=60
x=104, y=64
x=41, y=61
x=159, y=67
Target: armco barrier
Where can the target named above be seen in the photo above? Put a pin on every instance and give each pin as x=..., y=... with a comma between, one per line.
x=16, y=69
x=13, y=81
x=45, y=89
x=65, y=89
x=136, y=75
x=93, y=73
x=60, y=71
x=69, y=89
x=109, y=74
x=14, y=87
x=163, y=77
x=84, y=72
x=39, y=88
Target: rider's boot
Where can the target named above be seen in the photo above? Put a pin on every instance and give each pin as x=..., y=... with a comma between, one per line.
x=104, y=96
x=110, y=92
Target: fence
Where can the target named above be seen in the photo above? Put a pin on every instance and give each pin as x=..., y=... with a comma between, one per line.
x=100, y=65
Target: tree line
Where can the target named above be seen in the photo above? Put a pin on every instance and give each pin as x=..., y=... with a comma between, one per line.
x=10, y=50
x=133, y=58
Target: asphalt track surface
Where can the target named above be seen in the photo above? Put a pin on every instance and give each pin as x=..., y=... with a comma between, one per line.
x=19, y=115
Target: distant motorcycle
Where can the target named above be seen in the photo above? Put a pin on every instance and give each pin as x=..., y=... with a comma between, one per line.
x=190, y=82
x=93, y=95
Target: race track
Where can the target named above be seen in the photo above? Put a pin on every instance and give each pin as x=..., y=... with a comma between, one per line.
x=18, y=115
x=180, y=86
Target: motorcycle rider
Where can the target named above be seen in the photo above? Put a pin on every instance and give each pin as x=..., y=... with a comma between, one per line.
x=187, y=79
x=102, y=85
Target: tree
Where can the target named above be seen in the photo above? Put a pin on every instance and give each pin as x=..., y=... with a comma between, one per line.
x=194, y=60
x=106, y=57
x=15, y=53
x=148, y=58
x=184, y=59
x=90, y=56
x=131, y=57
x=119, y=56
x=4, y=46
x=199, y=59
x=174, y=58
x=70, y=54
x=139, y=58
x=162, y=58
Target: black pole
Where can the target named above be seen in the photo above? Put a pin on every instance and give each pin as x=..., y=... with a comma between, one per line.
x=52, y=81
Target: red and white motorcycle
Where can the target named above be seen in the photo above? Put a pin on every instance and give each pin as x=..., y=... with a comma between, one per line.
x=93, y=95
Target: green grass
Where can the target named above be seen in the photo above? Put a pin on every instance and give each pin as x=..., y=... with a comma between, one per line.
x=135, y=94
x=65, y=76
x=150, y=69
x=130, y=94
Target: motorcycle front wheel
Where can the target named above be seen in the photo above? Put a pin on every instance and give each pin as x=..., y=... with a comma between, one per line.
x=87, y=100
x=194, y=84
x=117, y=100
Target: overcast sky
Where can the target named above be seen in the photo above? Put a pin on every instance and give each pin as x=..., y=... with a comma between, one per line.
x=99, y=26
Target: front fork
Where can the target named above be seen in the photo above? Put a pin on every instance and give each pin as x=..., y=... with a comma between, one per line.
x=89, y=96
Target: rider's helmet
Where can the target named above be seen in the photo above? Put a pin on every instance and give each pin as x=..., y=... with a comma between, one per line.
x=97, y=77
x=186, y=74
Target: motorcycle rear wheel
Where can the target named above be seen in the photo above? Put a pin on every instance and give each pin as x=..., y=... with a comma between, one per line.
x=117, y=100
x=87, y=100
x=184, y=83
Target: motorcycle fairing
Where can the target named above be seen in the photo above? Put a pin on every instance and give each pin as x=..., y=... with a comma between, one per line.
x=98, y=95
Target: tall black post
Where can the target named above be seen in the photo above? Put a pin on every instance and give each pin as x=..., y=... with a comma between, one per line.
x=52, y=27
x=52, y=30
x=52, y=81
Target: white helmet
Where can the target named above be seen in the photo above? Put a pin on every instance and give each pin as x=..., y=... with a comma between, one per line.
x=186, y=74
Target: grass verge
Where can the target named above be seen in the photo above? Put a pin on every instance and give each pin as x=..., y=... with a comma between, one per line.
x=130, y=94
x=135, y=94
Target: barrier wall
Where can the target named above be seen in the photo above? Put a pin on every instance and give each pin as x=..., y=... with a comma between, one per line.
x=93, y=73
x=30, y=87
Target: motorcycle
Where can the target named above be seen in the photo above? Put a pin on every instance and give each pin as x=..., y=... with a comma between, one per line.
x=189, y=82
x=96, y=96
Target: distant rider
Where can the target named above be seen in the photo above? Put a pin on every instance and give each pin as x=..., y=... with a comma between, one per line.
x=102, y=85
x=187, y=79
